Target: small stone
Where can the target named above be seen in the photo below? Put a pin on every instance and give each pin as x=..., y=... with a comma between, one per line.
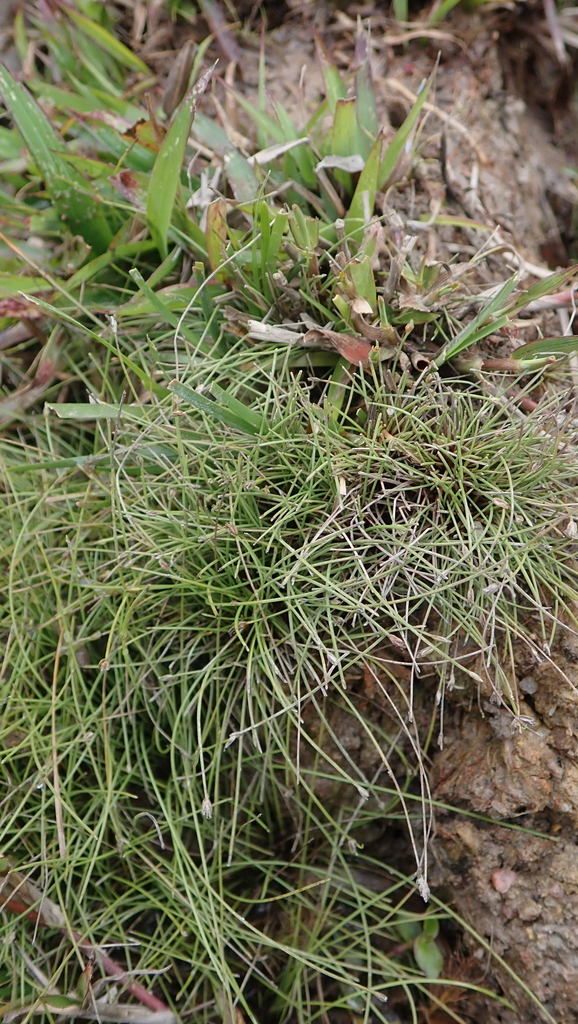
x=503, y=879
x=529, y=911
x=528, y=684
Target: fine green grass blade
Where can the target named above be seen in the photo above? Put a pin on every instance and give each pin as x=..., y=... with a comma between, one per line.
x=169, y=316
x=164, y=180
x=78, y=210
x=59, y=314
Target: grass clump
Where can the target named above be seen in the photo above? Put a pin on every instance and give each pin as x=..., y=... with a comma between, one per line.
x=211, y=599
x=276, y=498
x=433, y=514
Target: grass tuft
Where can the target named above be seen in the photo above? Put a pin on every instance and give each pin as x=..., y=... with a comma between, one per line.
x=257, y=515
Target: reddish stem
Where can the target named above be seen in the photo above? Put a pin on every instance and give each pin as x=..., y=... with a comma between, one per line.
x=501, y=364
x=18, y=906
x=114, y=971
x=523, y=402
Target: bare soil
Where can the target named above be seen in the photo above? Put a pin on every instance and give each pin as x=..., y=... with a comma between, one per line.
x=519, y=891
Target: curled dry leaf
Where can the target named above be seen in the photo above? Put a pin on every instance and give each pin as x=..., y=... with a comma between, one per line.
x=98, y=1009
x=14, y=405
x=179, y=75
x=377, y=334
x=214, y=13
x=129, y=187
x=16, y=333
x=17, y=308
x=147, y=133
x=21, y=896
x=259, y=331
x=355, y=350
x=361, y=306
x=419, y=361
x=352, y=164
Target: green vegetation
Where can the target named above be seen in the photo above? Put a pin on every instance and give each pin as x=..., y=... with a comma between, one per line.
x=239, y=464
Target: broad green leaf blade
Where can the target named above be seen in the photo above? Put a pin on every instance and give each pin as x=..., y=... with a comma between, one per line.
x=402, y=138
x=87, y=165
x=263, y=121
x=344, y=140
x=409, y=930
x=364, y=196
x=365, y=96
x=166, y=172
x=334, y=85
x=84, y=100
x=175, y=298
x=431, y=928
x=100, y=35
x=428, y=956
x=547, y=286
x=216, y=232
x=11, y=143
x=546, y=348
x=238, y=170
x=237, y=407
x=478, y=327
x=96, y=411
x=13, y=285
x=211, y=135
x=213, y=409
x=491, y=327
x=278, y=230
x=344, y=136
x=63, y=99
x=68, y=190
x=363, y=277
x=300, y=158
x=241, y=177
